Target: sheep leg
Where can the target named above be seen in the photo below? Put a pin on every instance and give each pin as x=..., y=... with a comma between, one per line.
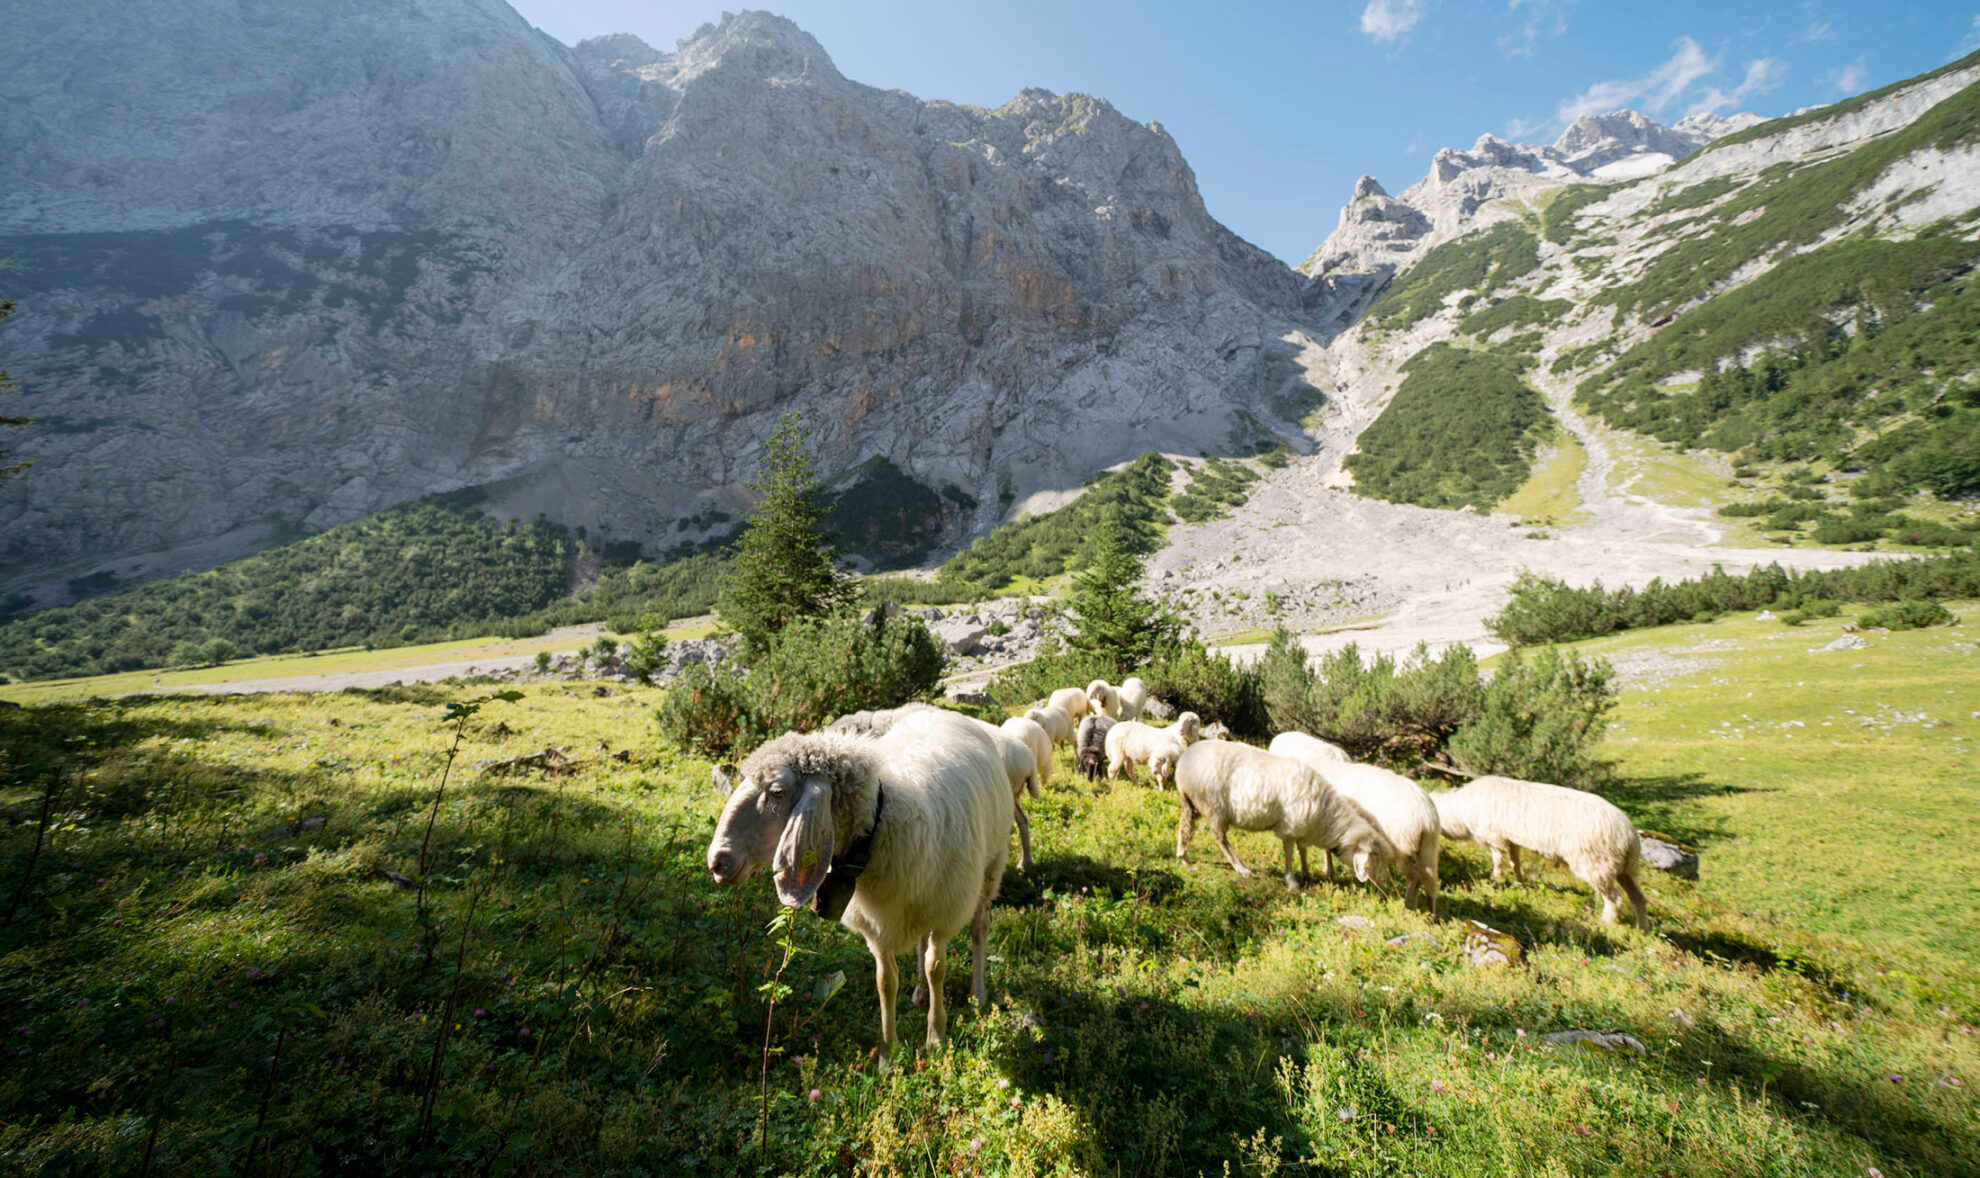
x=1024, y=838
x=1185, y=828
x=935, y=968
x=1498, y=864
x=887, y=980
x=1636, y=901
x=1223, y=838
x=1519, y=873
x=1327, y=858
x=1606, y=889
x=979, y=936
x=1292, y=884
x=1410, y=889
x=1306, y=872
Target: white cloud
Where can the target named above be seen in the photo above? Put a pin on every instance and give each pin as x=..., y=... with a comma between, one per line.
x=1541, y=17
x=1849, y=79
x=1388, y=20
x=1652, y=92
x=1762, y=75
x=1818, y=30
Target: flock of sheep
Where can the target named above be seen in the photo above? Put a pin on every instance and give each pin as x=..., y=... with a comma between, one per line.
x=897, y=823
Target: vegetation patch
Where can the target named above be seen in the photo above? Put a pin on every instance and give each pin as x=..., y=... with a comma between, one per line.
x=1517, y=311
x=888, y=516
x=1215, y=487
x=1481, y=262
x=1044, y=546
x=1462, y=429
x=1834, y=110
x=1557, y=219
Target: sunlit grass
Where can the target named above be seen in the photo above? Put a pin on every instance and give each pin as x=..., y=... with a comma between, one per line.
x=1552, y=495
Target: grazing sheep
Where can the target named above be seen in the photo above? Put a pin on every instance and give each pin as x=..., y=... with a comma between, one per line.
x=1104, y=699
x=1399, y=807
x=1092, y=744
x=1130, y=742
x=1071, y=701
x=1056, y=723
x=1301, y=747
x=1217, y=730
x=1596, y=840
x=876, y=723
x=1027, y=758
x=902, y=838
x=1232, y=784
x=1134, y=698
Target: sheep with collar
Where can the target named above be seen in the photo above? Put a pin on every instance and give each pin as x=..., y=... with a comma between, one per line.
x=927, y=806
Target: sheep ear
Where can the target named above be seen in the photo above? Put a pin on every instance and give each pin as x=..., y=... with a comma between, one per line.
x=804, y=853
x=725, y=776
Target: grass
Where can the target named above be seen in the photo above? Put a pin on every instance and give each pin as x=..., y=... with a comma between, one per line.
x=1551, y=495
x=1645, y=467
x=202, y=976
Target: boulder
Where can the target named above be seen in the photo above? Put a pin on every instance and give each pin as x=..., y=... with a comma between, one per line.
x=1485, y=945
x=960, y=637
x=981, y=699
x=1159, y=710
x=1848, y=642
x=1679, y=860
x=1354, y=923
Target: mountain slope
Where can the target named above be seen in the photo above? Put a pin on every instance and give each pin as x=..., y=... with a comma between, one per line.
x=302, y=265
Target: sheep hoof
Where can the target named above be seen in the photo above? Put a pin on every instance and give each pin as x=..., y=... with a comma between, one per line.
x=919, y=996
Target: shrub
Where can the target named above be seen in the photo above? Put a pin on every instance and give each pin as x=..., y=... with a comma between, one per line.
x=1191, y=679
x=1793, y=617
x=1821, y=607
x=1380, y=710
x=1540, y=720
x=543, y=660
x=645, y=654
x=812, y=670
x=1907, y=615
x=1054, y=667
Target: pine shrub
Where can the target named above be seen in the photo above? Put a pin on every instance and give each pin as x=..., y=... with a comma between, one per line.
x=1540, y=719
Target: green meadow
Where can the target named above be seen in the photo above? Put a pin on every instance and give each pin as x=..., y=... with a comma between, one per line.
x=218, y=956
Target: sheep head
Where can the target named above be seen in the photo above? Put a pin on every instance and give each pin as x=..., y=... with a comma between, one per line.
x=789, y=806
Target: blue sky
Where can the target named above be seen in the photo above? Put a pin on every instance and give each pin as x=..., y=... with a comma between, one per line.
x=1280, y=106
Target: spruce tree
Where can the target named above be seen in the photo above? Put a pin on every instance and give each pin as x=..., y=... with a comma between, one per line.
x=1117, y=623
x=785, y=568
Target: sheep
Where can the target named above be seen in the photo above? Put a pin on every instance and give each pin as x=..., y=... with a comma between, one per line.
x=1092, y=744
x=1216, y=730
x=1301, y=747
x=1130, y=742
x=1596, y=840
x=1035, y=737
x=1054, y=720
x=1021, y=764
x=902, y=838
x=1104, y=699
x=876, y=723
x=1071, y=701
x=1134, y=698
x=1233, y=784
x=1399, y=807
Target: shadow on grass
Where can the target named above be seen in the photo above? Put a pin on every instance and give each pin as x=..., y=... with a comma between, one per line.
x=1668, y=804
x=1717, y=945
x=1067, y=874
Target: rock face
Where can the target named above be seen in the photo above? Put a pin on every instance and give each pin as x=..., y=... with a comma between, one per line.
x=301, y=264
x=1379, y=235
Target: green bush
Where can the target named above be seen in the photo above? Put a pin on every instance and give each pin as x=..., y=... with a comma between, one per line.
x=1793, y=617
x=1483, y=261
x=1540, y=720
x=645, y=654
x=1052, y=668
x=1377, y=710
x=1044, y=546
x=1191, y=679
x=1907, y=615
x=811, y=671
x=1462, y=429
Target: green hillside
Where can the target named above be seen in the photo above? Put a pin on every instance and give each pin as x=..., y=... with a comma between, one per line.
x=1462, y=430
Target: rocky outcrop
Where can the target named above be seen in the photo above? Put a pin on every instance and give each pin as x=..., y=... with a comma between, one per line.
x=296, y=268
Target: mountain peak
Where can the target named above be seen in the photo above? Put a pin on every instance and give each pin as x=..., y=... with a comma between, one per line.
x=759, y=43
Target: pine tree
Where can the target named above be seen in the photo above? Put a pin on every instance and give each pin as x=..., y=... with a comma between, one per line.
x=1115, y=622
x=7, y=385
x=785, y=569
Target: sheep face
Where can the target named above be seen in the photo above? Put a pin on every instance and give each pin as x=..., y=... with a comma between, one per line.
x=1369, y=852
x=783, y=820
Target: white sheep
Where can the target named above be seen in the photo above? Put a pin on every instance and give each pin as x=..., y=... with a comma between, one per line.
x=1216, y=730
x=876, y=723
x=1130, y=742
x=1596, y=840
x=1236, y=785
x=1071, y=701
x=1039, y=741
x=1092, y=744
x=902, y=837
x=1056, y=723
x=1134, y=698
x=1399, y=807
x=1103, y=699
x=1021, y=764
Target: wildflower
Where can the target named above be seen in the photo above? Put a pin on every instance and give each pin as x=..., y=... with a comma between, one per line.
x=1951, y=1082
x=481, y=1012
x=117, y=922
x=100, y=881
x=1003, y=1082
x=260, y=857
x=1520, y=1031
x=253, y=972
x=1874, y=1172
x=1016, y=1100
x=1582, y=1131
x=1895, y=1077
x=1437, y=1086
x=815, y=1096
x=975, y=1143
x=233, y=1006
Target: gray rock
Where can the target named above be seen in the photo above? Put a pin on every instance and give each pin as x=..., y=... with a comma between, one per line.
x=1595, y=1040
x=1847, y=642
x=1429, y=939
x=1670, y=857
x=1485, y=945
x=1159, y=710
x=959, y=637
x=1354, y=923
x=981, y=699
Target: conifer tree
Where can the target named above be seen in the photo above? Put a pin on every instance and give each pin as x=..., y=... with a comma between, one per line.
x=1116, y=622
x=785, y=568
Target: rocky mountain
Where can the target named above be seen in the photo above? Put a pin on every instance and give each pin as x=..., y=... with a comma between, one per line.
x=285, y=263
x=1379, y=234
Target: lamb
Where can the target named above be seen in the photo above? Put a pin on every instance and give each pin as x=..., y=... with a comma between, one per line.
x=1596, y=840
x=1071, y=701
x=1104, y=699
x=902, y=838
x=1130, y=742
x=1054, y=720
x=1232, y=784
x=1134, y=698
x=1399, y=807
x=1092, y=744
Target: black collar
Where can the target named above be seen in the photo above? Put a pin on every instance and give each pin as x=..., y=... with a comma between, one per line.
x=842, y=875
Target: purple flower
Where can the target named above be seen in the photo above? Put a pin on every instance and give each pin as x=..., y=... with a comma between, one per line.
x=481, y=1012
x=82, y=1002
x=253, y=972
x=100, y=881
x=1895, y=1077
x=975, y=1143
x=1016, y=1100
x=1437, y=1086
x=117, y=922
x=1951, y=1082
x=170, y=1001
x=816, y=1096
x=1520, y=1031
x=233, y=1006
